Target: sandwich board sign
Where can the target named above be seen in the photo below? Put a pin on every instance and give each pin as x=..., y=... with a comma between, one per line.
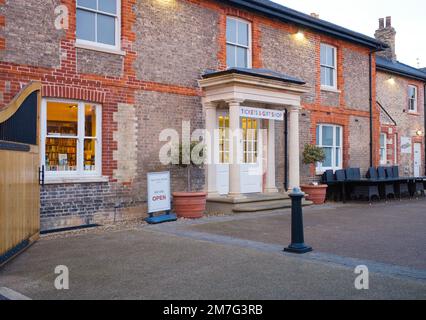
x=159, y=197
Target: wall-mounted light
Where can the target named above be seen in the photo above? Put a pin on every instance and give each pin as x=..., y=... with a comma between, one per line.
x=165, y=2
x=419, y=133
x=299, y=35
x=391, y=80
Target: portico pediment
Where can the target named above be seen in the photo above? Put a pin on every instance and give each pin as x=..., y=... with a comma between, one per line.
x=257, y=85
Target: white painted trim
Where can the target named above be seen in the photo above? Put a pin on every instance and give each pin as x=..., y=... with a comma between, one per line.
x=81, y=179
x=384, y=161
x=330, y=89
x=396, y=149
x=417, y=160
x=94, y=47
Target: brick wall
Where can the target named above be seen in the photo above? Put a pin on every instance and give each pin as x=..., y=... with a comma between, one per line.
x=180, y=37
x=392, y=94
x=281, y=51
x=155, y=113
x=29, y=33
x=99, y=63
x=153, y=86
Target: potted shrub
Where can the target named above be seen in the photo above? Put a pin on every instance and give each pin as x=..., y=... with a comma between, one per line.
x=315, y=192
x=189, y=204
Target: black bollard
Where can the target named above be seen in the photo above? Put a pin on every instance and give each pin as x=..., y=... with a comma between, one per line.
x=297, y=238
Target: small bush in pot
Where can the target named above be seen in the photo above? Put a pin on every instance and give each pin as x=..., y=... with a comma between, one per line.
x=189, y=204
x=315, y=192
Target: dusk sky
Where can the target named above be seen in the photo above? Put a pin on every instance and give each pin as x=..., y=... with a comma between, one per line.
x=408, y=18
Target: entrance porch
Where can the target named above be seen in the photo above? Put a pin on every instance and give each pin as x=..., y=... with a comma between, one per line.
x=241, y=108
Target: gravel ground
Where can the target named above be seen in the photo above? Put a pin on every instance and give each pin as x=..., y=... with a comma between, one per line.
x=118, y=226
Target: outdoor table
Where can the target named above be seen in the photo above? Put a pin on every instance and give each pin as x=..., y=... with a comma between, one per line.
x=365, y=181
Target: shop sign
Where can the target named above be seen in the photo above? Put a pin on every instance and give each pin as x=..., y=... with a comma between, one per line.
x=256, y=113
x=159, y=192
x=406, y=145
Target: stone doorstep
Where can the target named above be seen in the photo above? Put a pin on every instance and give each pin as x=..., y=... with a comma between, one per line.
x=257, y=197
x=251, y=203
x=266, y=206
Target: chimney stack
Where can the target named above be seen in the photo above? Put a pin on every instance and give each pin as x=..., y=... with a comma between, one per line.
x=386, y=34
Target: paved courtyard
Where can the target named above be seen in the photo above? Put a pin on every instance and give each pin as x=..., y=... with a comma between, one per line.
x=237, y=257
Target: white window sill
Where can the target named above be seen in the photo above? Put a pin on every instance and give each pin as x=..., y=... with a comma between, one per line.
x=94, y=47
x=70, y=180
x=413, y=112
x=330, y=89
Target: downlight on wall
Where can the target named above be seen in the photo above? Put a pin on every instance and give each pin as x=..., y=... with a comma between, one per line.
x=299, y=36
x=166, y=2
x=419, y=133
x=391, y=81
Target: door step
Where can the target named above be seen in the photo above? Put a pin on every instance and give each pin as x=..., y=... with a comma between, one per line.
x=251, y=198
x=250, y=203
x=266, y=206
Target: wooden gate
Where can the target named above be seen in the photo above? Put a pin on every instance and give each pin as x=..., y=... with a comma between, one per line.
x=19, y=172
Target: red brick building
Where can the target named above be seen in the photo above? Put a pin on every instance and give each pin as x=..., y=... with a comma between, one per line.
x=116, y=73
x=401, y=100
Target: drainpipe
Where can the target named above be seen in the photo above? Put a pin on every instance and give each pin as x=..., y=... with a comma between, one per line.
x=370, y=57
x=285, y=150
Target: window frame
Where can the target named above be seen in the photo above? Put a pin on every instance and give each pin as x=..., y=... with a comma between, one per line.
x=250, y=137
x=88, y=43
x=80, y=173
x=396, y=149
x=248, y=48
x=225, y=139
x=325, y=86
x=319, y=167
x=384, y=148
x=410, y=99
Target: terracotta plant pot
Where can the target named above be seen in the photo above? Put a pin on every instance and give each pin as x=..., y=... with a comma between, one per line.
x=316, y=194
x=190, y=205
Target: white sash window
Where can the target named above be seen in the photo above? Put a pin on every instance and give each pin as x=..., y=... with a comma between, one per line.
x=238, y=43
x=329, y=138
x=98, y=23
x=70, y=139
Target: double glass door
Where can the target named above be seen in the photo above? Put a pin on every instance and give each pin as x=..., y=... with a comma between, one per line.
x=250, y=165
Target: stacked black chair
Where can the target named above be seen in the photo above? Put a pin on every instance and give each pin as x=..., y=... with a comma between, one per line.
x=340, y=175
x=333, y=190
x=401, y=187
x=419, y=188
x=341, y=178
x=353, y=175
x=388, y=188
x=368, y=190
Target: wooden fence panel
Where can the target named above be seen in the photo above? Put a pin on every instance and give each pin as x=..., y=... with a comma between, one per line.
x=19, y=170
x=19, y=198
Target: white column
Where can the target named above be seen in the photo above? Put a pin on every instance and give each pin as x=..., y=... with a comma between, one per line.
x=294, y=157
x=235, y=148
x=270, y=167
x=211, y=121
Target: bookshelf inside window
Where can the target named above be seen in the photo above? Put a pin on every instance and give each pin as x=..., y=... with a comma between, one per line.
x=61, y=146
